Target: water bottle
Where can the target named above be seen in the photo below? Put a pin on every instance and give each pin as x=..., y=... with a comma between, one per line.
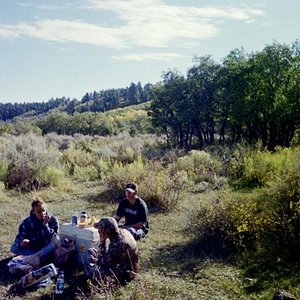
x=83, y=217
x=59, y=288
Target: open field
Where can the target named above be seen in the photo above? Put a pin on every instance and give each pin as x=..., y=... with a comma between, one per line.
x=171, y=266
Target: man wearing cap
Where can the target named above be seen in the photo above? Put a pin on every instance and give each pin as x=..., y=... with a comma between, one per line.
x=119, y=260
x=135, y=211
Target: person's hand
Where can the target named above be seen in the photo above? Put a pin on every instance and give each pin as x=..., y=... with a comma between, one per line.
x=24, y=243
x=46, y=219
x=103, y=235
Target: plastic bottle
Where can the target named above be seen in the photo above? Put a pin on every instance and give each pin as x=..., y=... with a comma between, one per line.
x=83, y=217
x=60, y=281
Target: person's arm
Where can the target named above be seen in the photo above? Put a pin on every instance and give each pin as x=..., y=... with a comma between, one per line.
x=51, y=225
x=120, y=212
x=138, y=225
x=23, y=236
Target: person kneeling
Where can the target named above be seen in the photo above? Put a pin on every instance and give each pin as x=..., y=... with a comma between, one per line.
x=118, y=261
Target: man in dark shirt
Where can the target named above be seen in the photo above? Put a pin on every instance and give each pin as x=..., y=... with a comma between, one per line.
x=135, y=211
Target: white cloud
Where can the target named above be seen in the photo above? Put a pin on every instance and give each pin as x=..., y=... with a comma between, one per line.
x=7, y=32
x=152, y=23
x=148, y=56
x=25, y=4
x=49, y=7
x=66, y=31
x=136, y=23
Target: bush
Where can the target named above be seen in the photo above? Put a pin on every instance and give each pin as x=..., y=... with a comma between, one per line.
x=55, y=178
x=263, y=223
x=3, y=197
x=225, y=222
x=210, y=224
x=255, y=167
x=280, y=203
x=203, y=170
x=162, y=189
x=86, y=173
x=3, y=170
x=122, y=173
x=27, y=156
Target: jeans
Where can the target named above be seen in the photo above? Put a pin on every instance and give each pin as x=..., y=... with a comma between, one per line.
x=45, y=252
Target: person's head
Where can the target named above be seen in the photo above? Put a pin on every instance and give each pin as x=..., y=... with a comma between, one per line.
x=131, y=190
x=38, y=207
x=107, y=225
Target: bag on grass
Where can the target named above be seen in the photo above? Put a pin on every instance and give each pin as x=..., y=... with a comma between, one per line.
x=24, y=264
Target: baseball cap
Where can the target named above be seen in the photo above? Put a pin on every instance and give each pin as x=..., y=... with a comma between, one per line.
x=109, y=223
x=131, y=187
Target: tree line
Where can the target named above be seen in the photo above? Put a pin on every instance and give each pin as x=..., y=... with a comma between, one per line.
x=101, y=101
x=254, y=97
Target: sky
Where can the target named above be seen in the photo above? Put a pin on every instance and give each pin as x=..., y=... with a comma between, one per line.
x=66, y=48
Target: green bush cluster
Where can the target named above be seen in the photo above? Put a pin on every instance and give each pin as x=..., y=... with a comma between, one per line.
x=264, y=223
x=160, y=187
x=253, y=167
x=25, y=158
x=203, y=170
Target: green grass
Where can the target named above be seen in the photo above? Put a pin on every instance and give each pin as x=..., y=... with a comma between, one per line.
x=172, y=265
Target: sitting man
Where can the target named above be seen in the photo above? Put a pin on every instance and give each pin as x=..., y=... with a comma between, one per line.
x=135, y=211
x=35, y=232
x=118, y=260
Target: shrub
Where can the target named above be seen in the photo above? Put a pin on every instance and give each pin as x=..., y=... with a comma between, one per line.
x=3, y=170
x=86, y=173
x=255, y=167
x=60, y=142
x=280, y=203
x=162, y=189
x=3, y=197
x=208, y=223
x=224, y=222
x=27, y=156
x=122, y=173
x=201, y=168
x=55, y=178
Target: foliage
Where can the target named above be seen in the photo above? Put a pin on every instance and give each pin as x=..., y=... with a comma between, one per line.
x=264, y=223
x=202, y=169
x=249, y=97
x=280, y=202
x=27, y=157
x=132, y=119
x=163, y=188
x=254, y=167
x=3, y=197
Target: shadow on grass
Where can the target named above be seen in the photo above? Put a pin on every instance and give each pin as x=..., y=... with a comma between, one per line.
x=187, y=258
x=266, y=274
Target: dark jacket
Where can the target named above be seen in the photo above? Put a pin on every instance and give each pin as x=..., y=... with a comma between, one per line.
x=36, y=231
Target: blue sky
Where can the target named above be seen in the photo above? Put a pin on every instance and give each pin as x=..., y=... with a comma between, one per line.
x=59, y=48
